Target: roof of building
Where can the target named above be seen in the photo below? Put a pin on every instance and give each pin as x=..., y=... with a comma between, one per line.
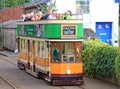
x=89, y=34
x=34, y=3
x=10, y=24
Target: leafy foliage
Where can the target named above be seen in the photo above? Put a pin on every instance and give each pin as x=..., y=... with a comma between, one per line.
x=117, y=68
x=45, y=7
x=99, y=59
x=10, y=3
x=105, y=61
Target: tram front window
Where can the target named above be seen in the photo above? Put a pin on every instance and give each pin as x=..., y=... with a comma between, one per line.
x=68, y=52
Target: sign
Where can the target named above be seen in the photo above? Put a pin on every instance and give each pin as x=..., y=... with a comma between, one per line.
x=117, y=1
x=29, y=29
x=69, y=30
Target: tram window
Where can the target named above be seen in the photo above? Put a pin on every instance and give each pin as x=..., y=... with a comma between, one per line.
x=23, y=30
x=42, y=49
x=79, y=53
x=23, y=45
x=56, y=54
x=39, y=30
x=38, y=49
x=68, y=58
x=68, y=52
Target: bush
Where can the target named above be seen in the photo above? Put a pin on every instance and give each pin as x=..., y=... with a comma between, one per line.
x=99, y=59
x=117, y=68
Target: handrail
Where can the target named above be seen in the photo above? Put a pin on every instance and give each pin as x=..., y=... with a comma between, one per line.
x=50, y=22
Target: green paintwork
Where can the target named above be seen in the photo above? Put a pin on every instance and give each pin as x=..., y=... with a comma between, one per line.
x=19, y=32
x=49, y=30
x=80, y=30
x=52, y=30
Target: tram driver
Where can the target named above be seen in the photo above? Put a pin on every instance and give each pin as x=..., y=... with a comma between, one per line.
x=56, y=54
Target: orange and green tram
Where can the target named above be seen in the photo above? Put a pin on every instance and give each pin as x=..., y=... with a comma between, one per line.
x=52, y=50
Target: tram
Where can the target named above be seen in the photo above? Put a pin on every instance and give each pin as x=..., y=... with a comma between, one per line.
x=51, y=50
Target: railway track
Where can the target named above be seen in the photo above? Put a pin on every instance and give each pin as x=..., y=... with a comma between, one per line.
x=13, y=61
x=5, y=84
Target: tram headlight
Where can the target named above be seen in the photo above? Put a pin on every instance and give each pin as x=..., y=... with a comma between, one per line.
x=68, y=71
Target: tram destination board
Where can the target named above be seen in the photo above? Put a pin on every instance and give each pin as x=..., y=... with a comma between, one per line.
x=69, y=30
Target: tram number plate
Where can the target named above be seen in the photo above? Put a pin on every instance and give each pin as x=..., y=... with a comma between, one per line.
x=69, y=30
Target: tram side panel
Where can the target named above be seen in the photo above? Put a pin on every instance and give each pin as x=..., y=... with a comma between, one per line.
x=22, y=53
x=42, y=59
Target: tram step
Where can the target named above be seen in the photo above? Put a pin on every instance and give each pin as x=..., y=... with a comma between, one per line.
x=31, y=72
x=47, y=79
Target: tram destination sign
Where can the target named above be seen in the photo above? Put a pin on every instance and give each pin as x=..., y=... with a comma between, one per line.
x=69, y=30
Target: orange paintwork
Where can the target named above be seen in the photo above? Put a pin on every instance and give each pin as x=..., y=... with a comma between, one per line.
x=42, y=62
x=75, y=68
x=22, y=55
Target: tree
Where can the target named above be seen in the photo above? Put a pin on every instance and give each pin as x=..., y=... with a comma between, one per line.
x=45, y=7
x=10, y=3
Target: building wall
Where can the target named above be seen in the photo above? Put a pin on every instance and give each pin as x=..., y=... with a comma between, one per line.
x=100, y=11
x=105, y=11
x=9, y=36
x=12, y=13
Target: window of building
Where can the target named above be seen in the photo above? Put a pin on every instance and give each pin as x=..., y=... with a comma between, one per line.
x=82, y=6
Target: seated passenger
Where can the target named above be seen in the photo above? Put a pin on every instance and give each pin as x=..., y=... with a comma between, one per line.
x=68, y=15
x=27, y=17
x=39, y=15
x=44, y=17
x=52, y=14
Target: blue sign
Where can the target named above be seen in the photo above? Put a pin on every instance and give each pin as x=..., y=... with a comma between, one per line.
x=117, y=1
x=103, y=31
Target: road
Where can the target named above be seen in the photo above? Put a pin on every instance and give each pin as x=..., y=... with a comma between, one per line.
x=19, y=79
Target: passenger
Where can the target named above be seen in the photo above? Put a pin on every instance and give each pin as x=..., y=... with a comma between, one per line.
x=23, y=17
x=65, y=17
x=27, y=17
x=49, y=15
x=44, y=17
x=33, y=16
x=52, y=14
x=39, y=15
x=68, y=15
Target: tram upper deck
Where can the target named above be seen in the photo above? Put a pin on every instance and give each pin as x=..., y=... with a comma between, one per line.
x=51, y=29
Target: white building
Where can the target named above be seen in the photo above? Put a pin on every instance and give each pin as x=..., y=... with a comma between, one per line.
x=99, y=15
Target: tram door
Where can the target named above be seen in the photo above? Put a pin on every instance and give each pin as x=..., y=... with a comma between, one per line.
x=31, y=55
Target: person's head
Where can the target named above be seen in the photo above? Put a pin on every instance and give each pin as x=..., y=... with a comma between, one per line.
x=24, y=16
x=69, y=12
x=50, y=11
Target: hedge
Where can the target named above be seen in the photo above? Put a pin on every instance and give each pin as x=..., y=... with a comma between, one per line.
x=100, y=58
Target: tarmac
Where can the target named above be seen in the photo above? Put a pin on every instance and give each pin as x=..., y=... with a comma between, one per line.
x=88, y=82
